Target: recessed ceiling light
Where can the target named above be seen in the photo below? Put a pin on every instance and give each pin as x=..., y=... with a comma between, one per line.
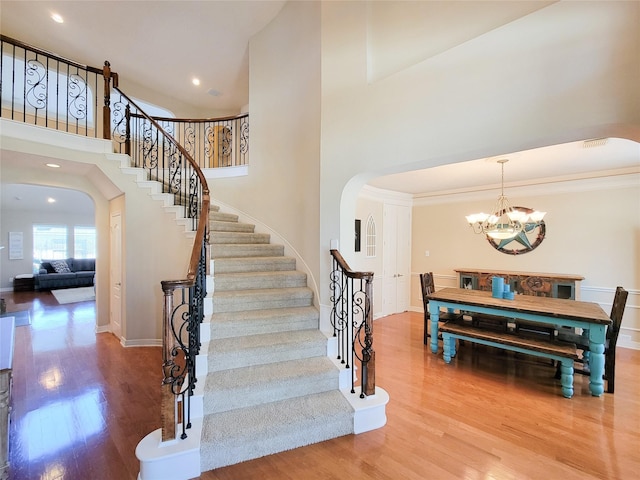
x=195, y=81
x=57, y=18
x=213, y=92
x=51, y=200
x=53, y=165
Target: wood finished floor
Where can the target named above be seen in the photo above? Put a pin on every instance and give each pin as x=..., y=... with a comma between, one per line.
x=81, y=403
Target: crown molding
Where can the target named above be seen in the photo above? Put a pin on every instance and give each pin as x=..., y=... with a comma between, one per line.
x=387, y=196
x=605, y=180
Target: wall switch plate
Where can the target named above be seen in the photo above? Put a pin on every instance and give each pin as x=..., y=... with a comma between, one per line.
x=426, y=253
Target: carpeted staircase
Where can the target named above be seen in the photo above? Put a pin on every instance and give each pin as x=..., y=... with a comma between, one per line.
x=270, y=386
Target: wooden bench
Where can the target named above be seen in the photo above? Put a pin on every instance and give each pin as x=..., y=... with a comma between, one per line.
x=564, y=353
x=519, y=326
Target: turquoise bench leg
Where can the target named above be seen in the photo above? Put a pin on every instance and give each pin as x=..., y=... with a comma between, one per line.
x=448, y=344
x=566, y=377
x=566, y=364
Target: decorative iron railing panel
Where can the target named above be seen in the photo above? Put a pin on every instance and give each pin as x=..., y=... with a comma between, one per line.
x=40, y=88
x=213, y=143
x=352, y=321
x=183, y=312
x=152, y=147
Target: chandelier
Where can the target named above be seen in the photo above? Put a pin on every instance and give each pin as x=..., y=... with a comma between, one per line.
x=505, y=222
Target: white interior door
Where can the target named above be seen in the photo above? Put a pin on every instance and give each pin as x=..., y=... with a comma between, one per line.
x=396, y=258
x=115, y=276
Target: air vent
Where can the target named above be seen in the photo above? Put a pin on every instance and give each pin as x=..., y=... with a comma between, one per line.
x=596, y=142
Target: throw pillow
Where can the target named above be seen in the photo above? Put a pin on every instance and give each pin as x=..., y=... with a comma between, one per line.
x=60, y=266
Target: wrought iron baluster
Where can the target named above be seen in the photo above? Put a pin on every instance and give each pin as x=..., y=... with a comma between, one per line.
x=352, y=321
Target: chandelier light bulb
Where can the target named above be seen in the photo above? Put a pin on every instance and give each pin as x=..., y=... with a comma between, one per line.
x=505, y=222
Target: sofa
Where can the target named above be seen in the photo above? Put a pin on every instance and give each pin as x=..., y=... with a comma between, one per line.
x=68, y=273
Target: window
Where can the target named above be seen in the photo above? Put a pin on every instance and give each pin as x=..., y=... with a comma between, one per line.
x=84, y=242
x=49, y=242
x=371, y=237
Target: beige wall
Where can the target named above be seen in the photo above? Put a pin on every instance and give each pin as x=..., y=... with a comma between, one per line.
x=592, y=233
x=592, y=230
x=511, y=89
x=365, y=208
x=23, y=221
x=35, y=176
x=155, y=247
x=282, y=188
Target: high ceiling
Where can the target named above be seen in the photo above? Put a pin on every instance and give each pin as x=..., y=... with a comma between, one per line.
x=163, y=44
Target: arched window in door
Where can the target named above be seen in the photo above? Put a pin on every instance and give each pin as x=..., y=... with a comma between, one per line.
x=371, y=237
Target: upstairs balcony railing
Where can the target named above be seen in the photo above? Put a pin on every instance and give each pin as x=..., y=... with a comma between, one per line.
x=43, y=89
x=214, y=143
x=352, y=322
x=40, y=88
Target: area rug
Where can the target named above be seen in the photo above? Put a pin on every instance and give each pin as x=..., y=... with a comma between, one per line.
x=21, y=318
x=74, y=295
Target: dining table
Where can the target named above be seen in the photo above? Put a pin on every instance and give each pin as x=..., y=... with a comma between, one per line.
x=588, y=316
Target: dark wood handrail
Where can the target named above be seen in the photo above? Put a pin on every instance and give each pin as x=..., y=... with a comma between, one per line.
x=45, y=53
x=192, y=271
x=174, y=375
x=166, y=134
x=204, y=210
x=196, y=120
x=347, y=271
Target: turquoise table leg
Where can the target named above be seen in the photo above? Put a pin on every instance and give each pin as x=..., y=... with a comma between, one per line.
x=434, y=315
x=596, y=359
x=566, y=377
x=596, y=366
x=446, y=344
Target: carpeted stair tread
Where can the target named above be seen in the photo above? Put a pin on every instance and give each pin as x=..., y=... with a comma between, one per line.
x=238, y=435
x=259, y=280
x=248, y=386
x=233, y=301
x=246, y=250
x=218, y=226
x=255, y=322
x=218, y=238
x=222, y=217
x=236, y=352
x=253, y=264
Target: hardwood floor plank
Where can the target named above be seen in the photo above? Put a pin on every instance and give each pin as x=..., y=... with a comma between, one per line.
x=82, y=402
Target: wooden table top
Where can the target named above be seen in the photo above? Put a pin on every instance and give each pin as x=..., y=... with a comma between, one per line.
x=553, y=307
